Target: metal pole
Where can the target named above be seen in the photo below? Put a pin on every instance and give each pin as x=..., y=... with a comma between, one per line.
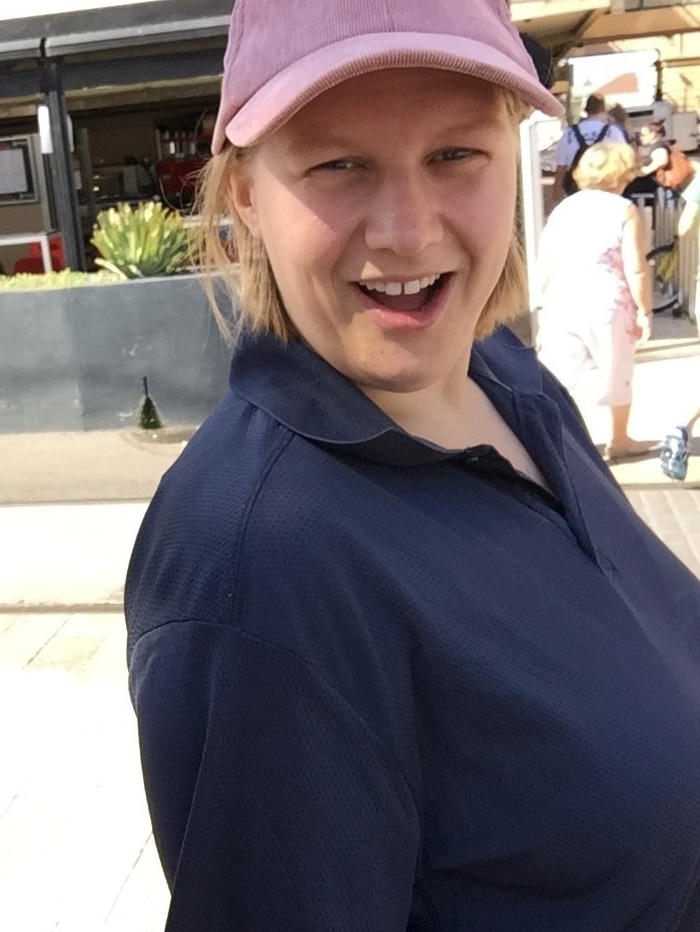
x=82, y=148
x=532, y=208
x=65, y=193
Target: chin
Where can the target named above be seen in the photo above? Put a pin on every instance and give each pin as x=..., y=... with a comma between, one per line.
x=411, y=368
x=396, y=378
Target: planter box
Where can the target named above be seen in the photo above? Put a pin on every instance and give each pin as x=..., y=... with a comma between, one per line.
x=73, y=358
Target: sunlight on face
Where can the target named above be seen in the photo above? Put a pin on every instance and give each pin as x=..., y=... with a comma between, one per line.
x=386, y=207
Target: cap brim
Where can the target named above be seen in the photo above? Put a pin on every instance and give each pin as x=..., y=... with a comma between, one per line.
x=294, y=87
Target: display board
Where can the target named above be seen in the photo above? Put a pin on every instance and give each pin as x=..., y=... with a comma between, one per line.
x=626, y=78
x=17, y=176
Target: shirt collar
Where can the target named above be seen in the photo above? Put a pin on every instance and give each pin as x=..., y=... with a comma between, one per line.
x=304, y=393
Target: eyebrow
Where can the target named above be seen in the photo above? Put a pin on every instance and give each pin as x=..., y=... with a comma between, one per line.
x=314, y=139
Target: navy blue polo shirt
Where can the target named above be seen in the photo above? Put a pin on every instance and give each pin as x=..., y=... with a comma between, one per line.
x=383, y=686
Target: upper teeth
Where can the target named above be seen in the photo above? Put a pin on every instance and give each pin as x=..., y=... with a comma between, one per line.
x=397, y=288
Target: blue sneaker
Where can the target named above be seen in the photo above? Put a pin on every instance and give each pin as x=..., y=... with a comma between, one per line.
x=674, y=454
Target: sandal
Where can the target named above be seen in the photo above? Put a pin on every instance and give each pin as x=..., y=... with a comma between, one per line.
x=632, y=450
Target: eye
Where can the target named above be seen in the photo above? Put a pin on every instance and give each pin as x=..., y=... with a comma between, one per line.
x=336, y=165
x=457, y=154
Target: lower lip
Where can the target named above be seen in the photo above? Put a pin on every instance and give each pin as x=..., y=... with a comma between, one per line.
x=415, y=321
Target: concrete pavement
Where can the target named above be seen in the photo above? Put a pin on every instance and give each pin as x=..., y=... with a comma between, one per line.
x=66, y=556
x=70, y=507
x=92, y=466
x=76, y=848
x=666, y=393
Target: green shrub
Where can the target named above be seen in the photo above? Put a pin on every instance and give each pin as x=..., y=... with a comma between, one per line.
x=50, y=280
x=137, y=242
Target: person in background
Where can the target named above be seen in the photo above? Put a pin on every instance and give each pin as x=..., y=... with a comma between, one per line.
x=652, y=147
x=642, y=189
x=686, y=183
x=595, y=286
x=675, y=448
x=596, y=126
x=664, y=164
x=402, y=655
x=618, y=117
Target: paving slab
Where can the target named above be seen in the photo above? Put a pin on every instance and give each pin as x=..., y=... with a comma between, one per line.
x=90, y=466
x=674, y=515
x=666, y=392
x=66, y=556
x=76, y=848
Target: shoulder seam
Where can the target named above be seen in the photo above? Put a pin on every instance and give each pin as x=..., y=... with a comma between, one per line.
x=312, y=669
x=277, y=450
x=303, y=662
x=275, y=454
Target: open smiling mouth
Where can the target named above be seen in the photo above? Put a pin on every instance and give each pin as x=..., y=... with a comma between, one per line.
x=415, y=295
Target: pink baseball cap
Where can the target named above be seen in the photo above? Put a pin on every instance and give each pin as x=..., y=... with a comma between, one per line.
x=283, y=53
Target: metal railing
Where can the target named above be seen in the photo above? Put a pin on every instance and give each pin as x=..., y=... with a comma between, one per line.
x=661, y=212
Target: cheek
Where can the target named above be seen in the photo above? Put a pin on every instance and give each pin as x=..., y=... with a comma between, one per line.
x=302, y=246
x=492, y=213
x=317, y=242
x=486, y=237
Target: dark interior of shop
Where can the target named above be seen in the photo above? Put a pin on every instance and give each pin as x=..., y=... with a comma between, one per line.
x=136, y=92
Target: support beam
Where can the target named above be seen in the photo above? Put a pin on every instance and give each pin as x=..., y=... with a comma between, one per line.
x=148, y=67
x=524, y=10
x=64, y=191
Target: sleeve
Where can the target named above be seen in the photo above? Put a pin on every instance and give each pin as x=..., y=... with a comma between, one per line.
x=544, y=265
x=274, y=806
x=690, y=195
x=574, y=421
x=562, y=149
x=658, y=158
x=617, y=134
x=687, y=217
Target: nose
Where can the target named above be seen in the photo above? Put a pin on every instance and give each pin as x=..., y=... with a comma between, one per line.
x=403, y=216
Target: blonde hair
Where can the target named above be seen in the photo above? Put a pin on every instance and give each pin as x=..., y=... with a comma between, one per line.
x=250, y=284
x=606, y=165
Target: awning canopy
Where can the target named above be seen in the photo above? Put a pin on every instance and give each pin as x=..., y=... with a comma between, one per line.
x=119, y=27
x=564, y=24
x=560, y=24
x=122, y=52
x=138, y=48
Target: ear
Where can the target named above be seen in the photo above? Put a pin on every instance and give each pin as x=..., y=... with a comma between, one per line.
x=242, y=194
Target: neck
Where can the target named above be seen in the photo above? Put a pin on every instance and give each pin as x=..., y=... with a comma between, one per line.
x=456, y=414
x=440, y=412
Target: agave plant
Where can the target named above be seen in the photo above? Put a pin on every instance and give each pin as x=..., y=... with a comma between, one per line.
x=137, y=242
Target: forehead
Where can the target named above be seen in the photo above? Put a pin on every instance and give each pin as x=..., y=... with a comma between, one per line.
x=402, y=94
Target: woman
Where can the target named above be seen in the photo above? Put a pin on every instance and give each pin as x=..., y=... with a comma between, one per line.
x=402, y=655
x=595, y=285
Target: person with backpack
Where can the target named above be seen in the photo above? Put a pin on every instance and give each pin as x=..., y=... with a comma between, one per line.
x=595, y=127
